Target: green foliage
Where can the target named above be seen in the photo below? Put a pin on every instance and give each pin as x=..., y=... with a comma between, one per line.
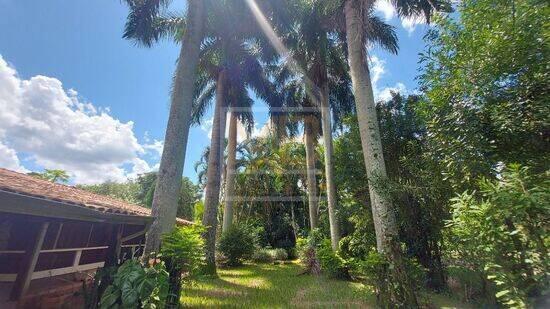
x=126, y=191
x=331, y=263
x=486, y=81
x=183, y=253
x=238, y=243
x=500, y=231
x=279, y=254
x=183, y=249
x=136, y=286
x=262, y=255
x=59, y=176
x=141, y=191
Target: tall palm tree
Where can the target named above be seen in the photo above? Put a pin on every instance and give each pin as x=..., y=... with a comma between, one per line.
x=316, y=42
x=355, y=12
x=146, y=25
x=230, y=65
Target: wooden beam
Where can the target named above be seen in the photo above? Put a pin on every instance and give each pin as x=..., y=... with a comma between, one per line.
x=26, y=268
x=115, y=241
x=132, y=236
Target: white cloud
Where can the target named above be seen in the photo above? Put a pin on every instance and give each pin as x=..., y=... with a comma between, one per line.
x=242, y=135
x=410, y=23
x=385, y=8
x=262, y=131
x=9, y=159
x=377, y=68
x=155, y=146
x=385, y=94
x=206, y=126
x=59, y=130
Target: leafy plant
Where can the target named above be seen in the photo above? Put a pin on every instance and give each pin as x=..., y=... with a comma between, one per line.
x=262, y=255
x=499, y=231
x=331, y=263
x=183, y=253
x=279, y=254
x=136, y=286
x=237, y=243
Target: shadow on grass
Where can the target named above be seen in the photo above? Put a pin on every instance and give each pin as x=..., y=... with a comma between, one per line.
x=273, y=286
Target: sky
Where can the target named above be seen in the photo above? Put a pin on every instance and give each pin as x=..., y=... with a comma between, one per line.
x=74, y=95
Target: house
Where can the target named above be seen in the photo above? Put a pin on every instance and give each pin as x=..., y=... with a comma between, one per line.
x=53, y=237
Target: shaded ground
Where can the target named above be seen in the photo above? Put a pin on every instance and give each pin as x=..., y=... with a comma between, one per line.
x=280, y=286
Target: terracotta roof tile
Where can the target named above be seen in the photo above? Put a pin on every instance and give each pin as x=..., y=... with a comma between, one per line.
x=27, y=185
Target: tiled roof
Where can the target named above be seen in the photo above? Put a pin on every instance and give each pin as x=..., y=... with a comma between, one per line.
x=23, y=184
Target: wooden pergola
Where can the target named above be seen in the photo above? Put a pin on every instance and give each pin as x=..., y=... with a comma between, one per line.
x=50, y=230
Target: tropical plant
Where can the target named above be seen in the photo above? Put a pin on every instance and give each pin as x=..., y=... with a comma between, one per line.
x=356, y=13
x=238, y=243
x=499, y=232
x=183, y=253
x=146, y=25
x=59, y=176
x=137, y=286
x=262, y=255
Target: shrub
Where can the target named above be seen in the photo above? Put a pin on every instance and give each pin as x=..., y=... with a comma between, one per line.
x=279, y=254
x=183, y=249
x=237, y=243
x=331, y=263
x=136, y=286
x=499, y=232
x=262, y=255
x=183, y=253
x=292, y=253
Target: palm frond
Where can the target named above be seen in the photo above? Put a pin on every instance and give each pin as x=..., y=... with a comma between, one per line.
x=378, y=32
x=146, y=24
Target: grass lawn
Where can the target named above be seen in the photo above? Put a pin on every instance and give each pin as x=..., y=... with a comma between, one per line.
x=280, y=286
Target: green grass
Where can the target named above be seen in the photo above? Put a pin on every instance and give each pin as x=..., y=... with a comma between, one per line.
x=282, y=286
x=274, y=286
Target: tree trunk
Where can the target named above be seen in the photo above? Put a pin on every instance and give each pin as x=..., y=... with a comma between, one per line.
x=329, y=166
x=165, y=199
x=215, y=161
x=383, y=215
x=230, y=173
x=309, y=135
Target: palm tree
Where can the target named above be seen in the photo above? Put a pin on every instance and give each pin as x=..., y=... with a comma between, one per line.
x=59, y=176
x=230, y=65
x=357, y=36
x=316, y=44
x=146, y=25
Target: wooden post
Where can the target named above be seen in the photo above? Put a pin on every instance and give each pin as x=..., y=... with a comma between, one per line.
x=26, y=268
x=113, y=252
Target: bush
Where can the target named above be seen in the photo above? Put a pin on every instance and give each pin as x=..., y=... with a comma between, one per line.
x=183, y=253
x=279, y=254
x=262, y=255
x=183, y=249
x=136, y=286
x=500, y=233
x=237, y=243
x=331, y=263
x=292, y=253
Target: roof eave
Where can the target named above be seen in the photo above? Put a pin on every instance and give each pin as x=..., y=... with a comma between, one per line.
x=14, y=202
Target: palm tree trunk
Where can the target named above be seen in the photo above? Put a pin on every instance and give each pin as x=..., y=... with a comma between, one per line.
x=309, y=135
x=230, y=173
x=329, y=166
x=215, y=161
x=165, y=199
x=382, y=208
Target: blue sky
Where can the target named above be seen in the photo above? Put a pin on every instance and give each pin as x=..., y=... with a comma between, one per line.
x=75, y=95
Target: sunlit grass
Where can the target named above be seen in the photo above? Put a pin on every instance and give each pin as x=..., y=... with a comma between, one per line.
x=274, y=286
x=282, y=286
